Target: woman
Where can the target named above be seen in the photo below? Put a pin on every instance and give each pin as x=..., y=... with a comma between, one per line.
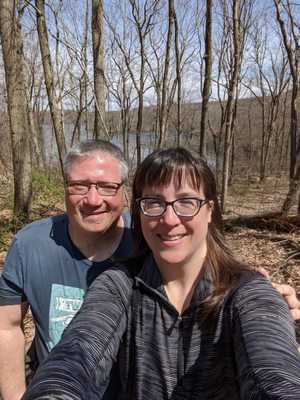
x=189, y=319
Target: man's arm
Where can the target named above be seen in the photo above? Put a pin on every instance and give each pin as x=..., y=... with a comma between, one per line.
x=288, y=293
x=12, y=349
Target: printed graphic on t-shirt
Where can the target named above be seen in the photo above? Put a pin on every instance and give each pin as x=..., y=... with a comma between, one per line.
x=64, y=304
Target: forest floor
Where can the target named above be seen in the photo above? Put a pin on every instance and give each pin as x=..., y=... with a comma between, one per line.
x=278, y=252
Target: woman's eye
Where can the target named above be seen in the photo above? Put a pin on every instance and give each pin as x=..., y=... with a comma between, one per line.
x=153, y=203
x=187, y=203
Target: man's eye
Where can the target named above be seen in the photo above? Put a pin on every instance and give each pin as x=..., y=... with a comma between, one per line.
x=109, y=187
x=79, y=186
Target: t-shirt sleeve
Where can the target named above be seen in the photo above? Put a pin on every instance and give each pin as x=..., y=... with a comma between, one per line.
x=268, y=362
x=79, y=365
x=11, y=279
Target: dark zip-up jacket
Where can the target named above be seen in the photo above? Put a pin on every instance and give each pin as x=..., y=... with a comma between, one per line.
x=250, y=353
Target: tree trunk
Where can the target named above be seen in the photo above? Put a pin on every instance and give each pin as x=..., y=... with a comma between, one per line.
x=293, y=54
x=207, y=79
x=164, y=95
x=178, y=78
x=291, y=197
x=18, y=109
x=56, y=114
x=231, y=100
x=100, y=130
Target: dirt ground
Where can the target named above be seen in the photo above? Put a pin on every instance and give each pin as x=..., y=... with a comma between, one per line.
x=278, y=252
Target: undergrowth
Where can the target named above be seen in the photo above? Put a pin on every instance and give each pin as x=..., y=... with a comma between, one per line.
x=47, y=199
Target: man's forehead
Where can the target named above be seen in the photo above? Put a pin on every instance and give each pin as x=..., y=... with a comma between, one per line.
x=97, y=162
x=98, y=158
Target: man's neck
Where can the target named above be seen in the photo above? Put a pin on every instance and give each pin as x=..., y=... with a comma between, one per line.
x=98, y=246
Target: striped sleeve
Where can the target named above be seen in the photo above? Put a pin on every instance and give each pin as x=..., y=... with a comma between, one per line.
x=267, y=358
x=78, y=367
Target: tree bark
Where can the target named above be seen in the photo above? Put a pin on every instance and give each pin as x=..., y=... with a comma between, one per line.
x=164, y=95
x=100, y=130
x=293, y=54
x=207, y=78
x=56, y=114
x=231, y=99
x=18, y=108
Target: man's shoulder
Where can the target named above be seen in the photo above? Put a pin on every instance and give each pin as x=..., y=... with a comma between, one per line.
x=127, y=219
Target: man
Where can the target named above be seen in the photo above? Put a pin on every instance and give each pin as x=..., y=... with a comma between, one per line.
x=52, y=262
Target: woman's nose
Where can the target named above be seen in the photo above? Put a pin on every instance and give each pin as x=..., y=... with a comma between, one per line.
x=169, y=216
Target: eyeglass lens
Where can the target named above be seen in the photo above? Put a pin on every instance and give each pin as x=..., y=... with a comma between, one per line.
x=187, y=207
x=82, y=188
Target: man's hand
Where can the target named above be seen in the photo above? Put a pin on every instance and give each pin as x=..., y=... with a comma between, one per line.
x=288, y=293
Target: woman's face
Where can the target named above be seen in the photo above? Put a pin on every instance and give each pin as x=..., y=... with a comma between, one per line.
x=174, y=240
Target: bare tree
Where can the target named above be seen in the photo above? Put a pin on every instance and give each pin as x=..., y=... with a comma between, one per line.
x=291, y=42
x=270, y=77
x=18, y=110
x=235, y=27
x=143, y=16
x=231, y=97
x=121, y=88
x=79, y=79
x=206, y=91
x=164, y=95
x=100, y=129
x=178, y=78
x=56, y=113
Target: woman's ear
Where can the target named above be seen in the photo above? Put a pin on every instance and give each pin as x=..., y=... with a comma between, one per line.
x=210, y=210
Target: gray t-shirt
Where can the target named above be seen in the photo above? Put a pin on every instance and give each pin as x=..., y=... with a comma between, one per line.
x=45, y=268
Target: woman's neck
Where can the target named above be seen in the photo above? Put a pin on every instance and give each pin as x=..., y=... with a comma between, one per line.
x=180, y=283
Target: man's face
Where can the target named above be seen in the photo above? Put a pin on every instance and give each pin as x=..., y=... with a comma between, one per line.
x=93, y=212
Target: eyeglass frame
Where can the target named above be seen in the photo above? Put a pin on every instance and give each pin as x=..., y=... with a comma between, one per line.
x=96, y=185
x=171, y=203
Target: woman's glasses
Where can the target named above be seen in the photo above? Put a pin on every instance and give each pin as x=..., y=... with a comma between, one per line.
x=185, y=207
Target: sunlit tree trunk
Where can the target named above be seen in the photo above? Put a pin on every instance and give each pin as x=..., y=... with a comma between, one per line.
x=164, y=96
x=56, y=113
x=207, y=78
x=18, y=109
x=231, y=99
x=292, y=45
x=100, y=130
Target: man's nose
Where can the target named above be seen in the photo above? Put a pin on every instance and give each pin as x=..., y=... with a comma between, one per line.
x=93, y=197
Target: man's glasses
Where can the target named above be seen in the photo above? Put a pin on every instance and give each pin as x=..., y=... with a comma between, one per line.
x=185, y=207
x=103, y=188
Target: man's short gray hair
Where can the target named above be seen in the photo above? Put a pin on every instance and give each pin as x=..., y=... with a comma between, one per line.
x=89, y=148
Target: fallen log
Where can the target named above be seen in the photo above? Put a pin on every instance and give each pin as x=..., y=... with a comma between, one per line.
x=273, y=221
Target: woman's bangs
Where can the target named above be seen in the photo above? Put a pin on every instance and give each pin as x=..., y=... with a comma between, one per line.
x=162, y=175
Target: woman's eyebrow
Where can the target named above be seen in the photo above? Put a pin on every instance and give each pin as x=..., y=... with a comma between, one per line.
x=158, y=194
